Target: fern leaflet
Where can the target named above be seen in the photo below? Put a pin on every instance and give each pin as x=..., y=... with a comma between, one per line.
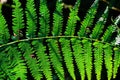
x=18, y=24
x=65, y=44
x=43, y=59
x=58, y=19
x=72, y=20
x=108, y=60
x=31, y=62
x=111, y=29
x=87, y=22
x=116, y=61
x=87, y=57
x=99, y=25
x=31, y=19
x=55, y=58
x=4, y=33
x=79, y=56
x=98, y=54
x=44, y=19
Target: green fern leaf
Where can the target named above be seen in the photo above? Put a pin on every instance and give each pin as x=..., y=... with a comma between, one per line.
x=87, y=22
x=43, y=59
x=20, y=68
x=44, y=19
x=99, y=25
x=56, y=58
x=17, y=20
x=98, y=54
x=57, y=19
x=31, y=62
x=72, y=20
x=12, y=64
x=31, y=17
x=108, y=60
x=87, y=56
x=4, y=33
x=79, y=56
x=65, y=44
x=5, y=68
x=111, y=29
x=108, y=33
x=116, y=61
x=1, y=73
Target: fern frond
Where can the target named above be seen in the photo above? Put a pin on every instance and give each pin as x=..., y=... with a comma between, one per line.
x=79, y=56
x=56, y=58
x=17, y=20
x=65, y=44
x=111, y=29
x=87, y=22
x=98, y=54
x=5, y=68
x=43, y=59
x=72, y=20
x=31, y=17
x=20, y=68
x=31, y=62
x=116, y=61
x=108, y=33
x=57, y=19
x=87, y=46
x=4, y=33
x=44, y=19
x=99, y=25
x=12, y=64
x=1, y=73
x=108, y=59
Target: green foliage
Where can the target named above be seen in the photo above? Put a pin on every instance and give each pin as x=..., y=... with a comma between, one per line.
x=56, y=52
x=4, y=34
x=17, y=21
x=43, y=59
x=65, y=44
x=14, y=66
x=88, y=21
x=88, y=57
x=98, y=54
x=57, y=19
x=31, y=62
x=56, y=58
x=72, y=20
x=99, y=25
x=79, y=56
x=31, y=17
x=116, y=62
x=44, y=19
x=108, y=60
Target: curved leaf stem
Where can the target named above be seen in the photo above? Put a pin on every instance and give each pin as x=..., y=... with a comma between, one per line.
x=49, y=37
